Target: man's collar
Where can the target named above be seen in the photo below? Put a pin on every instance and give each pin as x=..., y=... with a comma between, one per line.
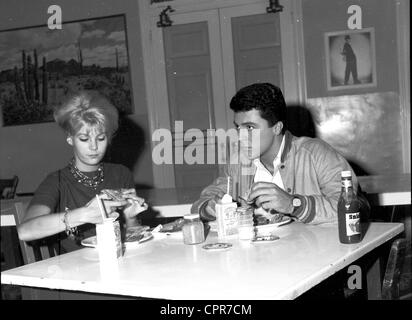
x=288, y=144
x=280, y=153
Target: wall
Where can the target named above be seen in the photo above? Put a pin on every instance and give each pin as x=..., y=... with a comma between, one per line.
x=364, y=124
x=32, y=151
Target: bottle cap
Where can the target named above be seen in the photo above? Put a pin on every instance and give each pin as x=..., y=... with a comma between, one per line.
x=346, y=174
x=226, y=199
x=192, y=216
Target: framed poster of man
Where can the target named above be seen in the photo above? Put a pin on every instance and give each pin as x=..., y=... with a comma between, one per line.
x=350, y=59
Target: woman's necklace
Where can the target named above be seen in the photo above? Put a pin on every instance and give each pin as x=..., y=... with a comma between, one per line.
x=91, y=182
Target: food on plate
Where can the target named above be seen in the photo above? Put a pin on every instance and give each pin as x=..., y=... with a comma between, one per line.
x=275, y=218
x=173, y=226
x=136, y=233
x=123, y=194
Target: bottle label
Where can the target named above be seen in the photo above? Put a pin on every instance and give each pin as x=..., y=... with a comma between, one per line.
x=346, y=183
x=230, y=221
x=352, y=223
x=227, y=221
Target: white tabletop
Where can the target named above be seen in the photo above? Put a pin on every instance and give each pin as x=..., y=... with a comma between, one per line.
x=304, y=256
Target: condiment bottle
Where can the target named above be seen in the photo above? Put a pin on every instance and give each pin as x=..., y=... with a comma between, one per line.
x=226, y=217
x=193, y=230
x=348, y=211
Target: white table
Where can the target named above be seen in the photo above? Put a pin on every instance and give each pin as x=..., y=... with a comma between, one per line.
x=303, y=257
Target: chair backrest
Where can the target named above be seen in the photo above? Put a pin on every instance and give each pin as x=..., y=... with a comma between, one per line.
x=391, y=280
x=35, y=250
x=8, y=187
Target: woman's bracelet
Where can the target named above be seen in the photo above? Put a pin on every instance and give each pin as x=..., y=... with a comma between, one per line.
x=70, y=231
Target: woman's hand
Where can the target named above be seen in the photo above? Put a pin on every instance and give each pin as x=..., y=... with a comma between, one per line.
x=91, y=212
x=134, y=208
x=135, y=204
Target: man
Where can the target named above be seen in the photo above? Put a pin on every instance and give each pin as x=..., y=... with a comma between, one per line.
x=350, y=58
x=300, y=177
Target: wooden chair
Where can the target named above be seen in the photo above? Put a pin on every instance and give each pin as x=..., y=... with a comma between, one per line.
x=9, y=258
x=31, y=251
x=8, y=187
x=36, y=250
x=394, y=269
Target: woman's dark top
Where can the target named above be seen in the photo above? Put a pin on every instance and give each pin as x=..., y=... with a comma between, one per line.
x=60, y=190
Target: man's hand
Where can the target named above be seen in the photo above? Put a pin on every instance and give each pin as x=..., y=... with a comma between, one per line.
x=211, y=204
x=269, y=196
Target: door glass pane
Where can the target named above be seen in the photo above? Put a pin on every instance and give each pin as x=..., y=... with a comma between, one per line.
x=257, y=49
x=188, y=72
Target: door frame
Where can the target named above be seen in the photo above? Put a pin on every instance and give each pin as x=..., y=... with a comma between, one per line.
x=291, y=78
x=163, y=175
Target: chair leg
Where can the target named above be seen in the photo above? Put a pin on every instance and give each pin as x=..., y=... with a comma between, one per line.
x=393, y=213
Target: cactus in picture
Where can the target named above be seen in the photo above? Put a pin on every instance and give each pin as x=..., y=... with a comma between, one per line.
x=117, y=61
x=45, y=91
x=36, y=77
x=25, y=75
x=80, y=57
x=17, y=86
x=29, y=79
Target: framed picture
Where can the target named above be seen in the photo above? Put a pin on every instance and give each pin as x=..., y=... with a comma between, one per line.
x=39, y=67
x=350, y=59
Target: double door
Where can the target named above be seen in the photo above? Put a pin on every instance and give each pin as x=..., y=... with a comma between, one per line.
x=199, y=63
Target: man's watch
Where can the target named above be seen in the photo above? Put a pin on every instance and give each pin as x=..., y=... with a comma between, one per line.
x=296, y=203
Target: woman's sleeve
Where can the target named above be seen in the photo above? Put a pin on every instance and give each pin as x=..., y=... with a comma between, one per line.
x=47, y=193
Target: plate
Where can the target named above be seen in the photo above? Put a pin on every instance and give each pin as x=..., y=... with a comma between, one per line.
x=263, y=239
x=217, y=246
x=262, y=228
x=92, y=241
x=268, y=228
x=89, y=242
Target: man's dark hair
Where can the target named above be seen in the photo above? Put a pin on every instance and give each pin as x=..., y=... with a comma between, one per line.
x=266, y=98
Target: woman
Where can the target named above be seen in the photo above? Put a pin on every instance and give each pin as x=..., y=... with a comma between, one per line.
x=66, y=199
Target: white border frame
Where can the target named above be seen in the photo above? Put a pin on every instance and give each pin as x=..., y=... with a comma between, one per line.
x=327, y=36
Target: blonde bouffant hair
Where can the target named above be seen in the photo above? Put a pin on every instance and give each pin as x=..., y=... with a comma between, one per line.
x=87, y=108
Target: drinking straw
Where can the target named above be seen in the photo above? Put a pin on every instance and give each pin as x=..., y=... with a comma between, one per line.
x=101, y=207
x=228, y=183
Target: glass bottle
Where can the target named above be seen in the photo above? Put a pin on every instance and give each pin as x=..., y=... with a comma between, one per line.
x=349, y=221
x=193, y=230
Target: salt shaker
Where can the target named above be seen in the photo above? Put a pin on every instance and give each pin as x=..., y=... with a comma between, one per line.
x=193, y=230
x=245, y=223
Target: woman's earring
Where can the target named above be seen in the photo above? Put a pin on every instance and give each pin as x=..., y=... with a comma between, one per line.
x=69, y=140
